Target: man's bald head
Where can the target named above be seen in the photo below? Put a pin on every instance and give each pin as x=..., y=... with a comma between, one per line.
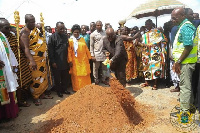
x=4, y=26
x=30, y=21
x=28, y=17
x=178, y=15
x=3, y=21
x=109, y=30
x=179, y=11
x=110, y=33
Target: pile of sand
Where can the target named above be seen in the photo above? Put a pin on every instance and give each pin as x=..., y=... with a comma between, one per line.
x=97, y=109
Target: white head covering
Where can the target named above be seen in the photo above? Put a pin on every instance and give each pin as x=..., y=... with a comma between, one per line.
x=75, y=41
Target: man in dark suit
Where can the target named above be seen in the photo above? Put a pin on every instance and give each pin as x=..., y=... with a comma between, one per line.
x=114, y=45
x=58, y=53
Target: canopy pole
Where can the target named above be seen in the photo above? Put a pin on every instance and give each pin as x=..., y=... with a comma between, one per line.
x=156, y=21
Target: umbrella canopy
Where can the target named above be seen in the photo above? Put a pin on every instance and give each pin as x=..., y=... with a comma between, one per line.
x=155, y=8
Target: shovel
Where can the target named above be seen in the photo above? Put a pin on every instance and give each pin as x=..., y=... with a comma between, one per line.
x=109, y=73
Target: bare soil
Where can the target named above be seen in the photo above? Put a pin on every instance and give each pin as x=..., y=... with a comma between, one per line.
x=98, y=109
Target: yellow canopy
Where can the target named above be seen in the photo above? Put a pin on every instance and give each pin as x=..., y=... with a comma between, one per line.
x=155, y=8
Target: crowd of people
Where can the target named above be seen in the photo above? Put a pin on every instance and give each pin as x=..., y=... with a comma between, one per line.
x=49, y=61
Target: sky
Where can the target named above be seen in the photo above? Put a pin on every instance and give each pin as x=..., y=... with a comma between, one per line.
x=82, y=11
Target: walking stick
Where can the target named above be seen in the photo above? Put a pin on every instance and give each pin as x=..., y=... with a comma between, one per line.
x=42, y=22
x=17, y=20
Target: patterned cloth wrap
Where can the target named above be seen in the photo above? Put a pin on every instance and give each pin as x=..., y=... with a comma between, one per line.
x=38, y=50
x=153, y=56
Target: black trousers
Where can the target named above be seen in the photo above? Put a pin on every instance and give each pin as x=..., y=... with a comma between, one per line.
x=120, y=72
x=61, y=79
x=91, y=69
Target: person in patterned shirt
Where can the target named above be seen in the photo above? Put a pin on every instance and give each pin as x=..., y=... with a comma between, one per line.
x=35, y=50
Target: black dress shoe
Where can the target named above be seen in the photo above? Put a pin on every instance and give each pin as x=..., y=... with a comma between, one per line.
x=66, y=92
x=59, y=94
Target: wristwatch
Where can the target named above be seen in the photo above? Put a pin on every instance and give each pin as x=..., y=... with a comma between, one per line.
x=179, y=61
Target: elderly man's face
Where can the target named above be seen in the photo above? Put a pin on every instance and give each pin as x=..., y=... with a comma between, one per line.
x=60, y=28
x=31, y=23
x=6, y=27
x=177, y=17
x=111, y=36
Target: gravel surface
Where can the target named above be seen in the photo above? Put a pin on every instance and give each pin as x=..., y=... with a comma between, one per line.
x=154, y=106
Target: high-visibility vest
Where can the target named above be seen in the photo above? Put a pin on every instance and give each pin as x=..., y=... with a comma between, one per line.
x=178, y=48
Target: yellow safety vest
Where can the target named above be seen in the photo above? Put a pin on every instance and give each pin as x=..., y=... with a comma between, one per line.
x=178, y=48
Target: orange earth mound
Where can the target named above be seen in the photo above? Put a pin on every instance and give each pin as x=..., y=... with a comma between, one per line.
x=98, y=109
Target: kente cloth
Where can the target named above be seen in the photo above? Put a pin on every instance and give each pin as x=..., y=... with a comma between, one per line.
x=4, y=98
x=26, y=77
x=131, y=66
x=80, y=70
x=38, y=51
x=138, y=50
x=153, y=57
x=4, y=94
x=8, y=80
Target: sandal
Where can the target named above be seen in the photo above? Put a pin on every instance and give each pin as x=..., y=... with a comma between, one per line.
x=144, y=85
x=154, y=87
x=37, y=102
x=24, y=104
x=46, y=97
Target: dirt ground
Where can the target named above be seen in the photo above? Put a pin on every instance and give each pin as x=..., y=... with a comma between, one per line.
x=161, y=102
